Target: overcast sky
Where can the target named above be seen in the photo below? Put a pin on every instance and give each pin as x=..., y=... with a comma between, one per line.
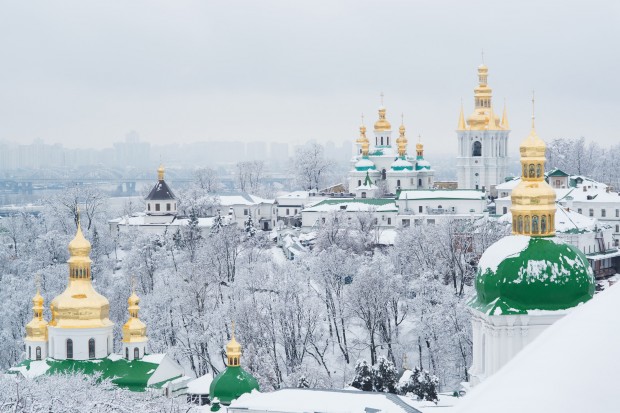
x=84, y=73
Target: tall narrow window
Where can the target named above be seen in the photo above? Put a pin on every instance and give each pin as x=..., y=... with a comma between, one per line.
x=136, y=353
x=527, y=224
x=69, y=349
x=30, y=352
x=520, y=224
x=38, y=351
x=168, y=207
x=127, y=353
x=543, y=224
x=476, y=149
x=91, y=348
x=535, y=224
x=538, y=170
x=156, y=207
x=531, y=170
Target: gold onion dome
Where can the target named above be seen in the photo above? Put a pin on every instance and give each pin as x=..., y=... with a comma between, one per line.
x=134, y=330
x=160, y=172
x=80, y=306
x=382, y=123
x=79, y=245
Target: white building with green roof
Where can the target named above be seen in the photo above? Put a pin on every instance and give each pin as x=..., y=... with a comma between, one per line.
x=78, y=338
x=529, y=280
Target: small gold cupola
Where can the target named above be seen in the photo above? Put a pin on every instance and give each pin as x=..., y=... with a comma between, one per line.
x=363, y=140
x=134, y=330
x=233, y=350
x=160, y=172
x=36, y=329
x=533, y=200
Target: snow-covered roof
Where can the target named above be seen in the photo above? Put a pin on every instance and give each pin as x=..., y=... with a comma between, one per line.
x=200, y=385
x=571, y=367
x=354, y=205
x=319, y=400
x=462, y=194
x=592, y=193
x=565, y=220
x=508, y=184
x=139, y=220
x=240, y=198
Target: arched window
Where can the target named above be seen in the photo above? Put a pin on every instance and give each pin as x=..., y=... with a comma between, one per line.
x=514, y=226
x=69, y=348
x=127, y=353
x=543, y=224
x=91, y=348
x=359, y=182
x=420, y=183
x=520, y=224
x=527, y=224
x=538, y=170
x=363, y=194
x=136, y=353
x=388, y=141
x=30, y=352
x=531, y=170
x=476, y=149
x=524, y=171
x=398, y=183
x=383, y=174
x=382, y=141
x=535, y=224
x=38, y=351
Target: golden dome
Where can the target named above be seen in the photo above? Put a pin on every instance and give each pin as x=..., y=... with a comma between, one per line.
x=483, y=68
x=80, y=306
x=134, y=330
x=79, y=245
x=533, y=146
x=419, y=146
x=37, y=300
x=362, y=137
x=401, y=141
x=382, y=124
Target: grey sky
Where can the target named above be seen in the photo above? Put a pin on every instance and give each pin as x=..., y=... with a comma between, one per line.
x=84, y=73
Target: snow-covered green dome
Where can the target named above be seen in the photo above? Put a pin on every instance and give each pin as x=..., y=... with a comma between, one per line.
x=520, y=273
x=232, y=383
x=402, y=164
x=364, y=164
x=422, y=164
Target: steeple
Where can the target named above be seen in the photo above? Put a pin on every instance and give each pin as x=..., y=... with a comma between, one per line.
x=505, y=124
x=401, y=141
x=462, y=125
x=233, y=350
x=533, y=200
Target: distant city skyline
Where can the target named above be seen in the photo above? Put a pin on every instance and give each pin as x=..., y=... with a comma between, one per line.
x=191, y=71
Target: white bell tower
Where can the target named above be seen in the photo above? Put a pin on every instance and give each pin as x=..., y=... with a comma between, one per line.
x=483, y=141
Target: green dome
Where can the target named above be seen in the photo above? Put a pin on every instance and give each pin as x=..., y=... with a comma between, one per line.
x=520, y=273
x=232, y=383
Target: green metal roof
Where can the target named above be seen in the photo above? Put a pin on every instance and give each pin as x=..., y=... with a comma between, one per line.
x=132, y=375
x=546, y=275
x=232, y=383
x=557, y=172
